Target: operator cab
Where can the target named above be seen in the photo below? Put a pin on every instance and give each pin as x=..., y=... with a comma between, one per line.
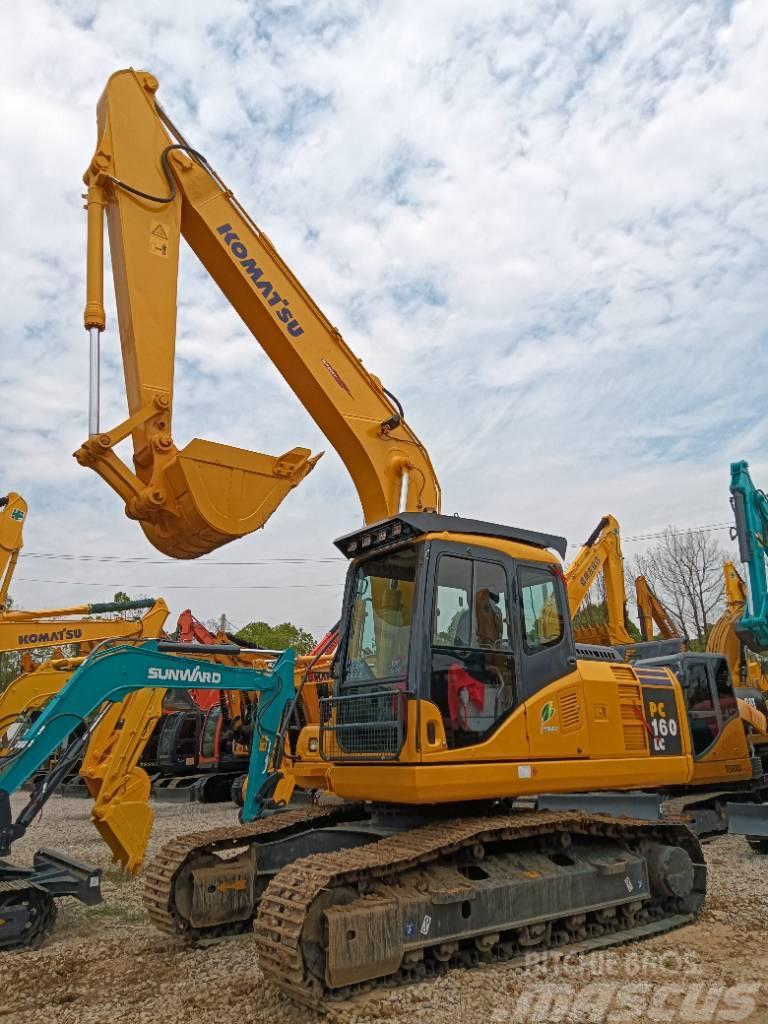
x=177, y=746
x=468, y=615
x=710, y=700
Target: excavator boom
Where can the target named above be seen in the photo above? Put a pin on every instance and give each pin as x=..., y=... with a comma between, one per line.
x=13, y=513
x=155, y=188
x=601, y=551
x=750, y=506
x=26, y=630
x=651, y=612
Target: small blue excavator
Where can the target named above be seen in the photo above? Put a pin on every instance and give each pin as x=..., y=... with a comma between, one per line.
x=27, y=894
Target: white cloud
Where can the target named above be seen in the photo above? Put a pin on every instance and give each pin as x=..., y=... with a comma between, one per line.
x=582, y=184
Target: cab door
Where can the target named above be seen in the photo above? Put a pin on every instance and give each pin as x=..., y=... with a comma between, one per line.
x=472, y=670
x=549, y=683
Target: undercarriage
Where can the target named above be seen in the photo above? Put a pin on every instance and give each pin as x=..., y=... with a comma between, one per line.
x=343, y=898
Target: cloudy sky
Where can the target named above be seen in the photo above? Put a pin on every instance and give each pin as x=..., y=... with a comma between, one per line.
x=542, y=224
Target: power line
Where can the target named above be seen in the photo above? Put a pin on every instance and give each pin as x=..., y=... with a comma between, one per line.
x=209, y=563
x=140, y=560
x=710, y=528
x=122, y=585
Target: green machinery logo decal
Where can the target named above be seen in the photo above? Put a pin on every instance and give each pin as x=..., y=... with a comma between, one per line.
x=547, y=714
x=17, y=514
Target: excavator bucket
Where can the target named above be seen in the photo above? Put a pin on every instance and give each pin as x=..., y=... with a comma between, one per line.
x=125, y=825
x=221, y=493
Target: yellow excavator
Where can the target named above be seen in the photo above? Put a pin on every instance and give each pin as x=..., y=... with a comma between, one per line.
x=52, y=628
x=746, y=672
x=723, y=639
x=26, y=631
x=456, y=690
x=652, y=613
x=600, y=553
x=605, y=623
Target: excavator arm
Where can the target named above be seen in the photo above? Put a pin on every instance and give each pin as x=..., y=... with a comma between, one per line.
x=155, y=189
x=120, y=788
x=34, y=688
x=750, y=507
x=651, y=612
x=600, y=551
x=26, y=630
x=13, y=513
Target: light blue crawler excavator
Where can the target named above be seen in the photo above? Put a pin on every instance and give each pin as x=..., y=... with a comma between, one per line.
x=27, y=908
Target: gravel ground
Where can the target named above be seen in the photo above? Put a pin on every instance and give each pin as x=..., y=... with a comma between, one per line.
x=106, y=964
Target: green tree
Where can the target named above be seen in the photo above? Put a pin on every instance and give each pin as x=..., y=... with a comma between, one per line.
x=130, y=614
x=277, y=638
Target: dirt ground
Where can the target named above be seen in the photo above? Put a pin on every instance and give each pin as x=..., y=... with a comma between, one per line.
x=106, y=964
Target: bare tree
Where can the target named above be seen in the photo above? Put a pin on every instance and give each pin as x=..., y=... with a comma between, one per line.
x=686, y=572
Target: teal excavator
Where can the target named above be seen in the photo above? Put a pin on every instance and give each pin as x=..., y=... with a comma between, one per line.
x=750, y=509
x=111, y=673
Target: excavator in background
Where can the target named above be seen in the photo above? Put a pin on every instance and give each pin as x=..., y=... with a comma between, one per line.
x=108, y=677
x=747, y=672
x=198, y=755
x=29, y=630
x=747, y=618
x=115, y=764
x=750, y=506
x=456, y=690
x=652, y=613
x=13, y=514
x=600, y=553
x=25, y=631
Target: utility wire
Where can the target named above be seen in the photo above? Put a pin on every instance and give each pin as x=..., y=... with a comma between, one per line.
x=209, y=563
x=710, y=528
x=122, y=585
x=139, y=560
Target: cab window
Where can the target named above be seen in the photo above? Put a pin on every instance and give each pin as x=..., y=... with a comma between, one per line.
x=381, y=619
x=472, y=678
x=543, y=623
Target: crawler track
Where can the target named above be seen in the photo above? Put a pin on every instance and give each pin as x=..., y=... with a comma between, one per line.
x=15, y=893
x=162, y=873
x=286, y=908
x=306, y=914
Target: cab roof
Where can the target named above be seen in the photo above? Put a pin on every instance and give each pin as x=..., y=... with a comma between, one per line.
x=409, y=525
